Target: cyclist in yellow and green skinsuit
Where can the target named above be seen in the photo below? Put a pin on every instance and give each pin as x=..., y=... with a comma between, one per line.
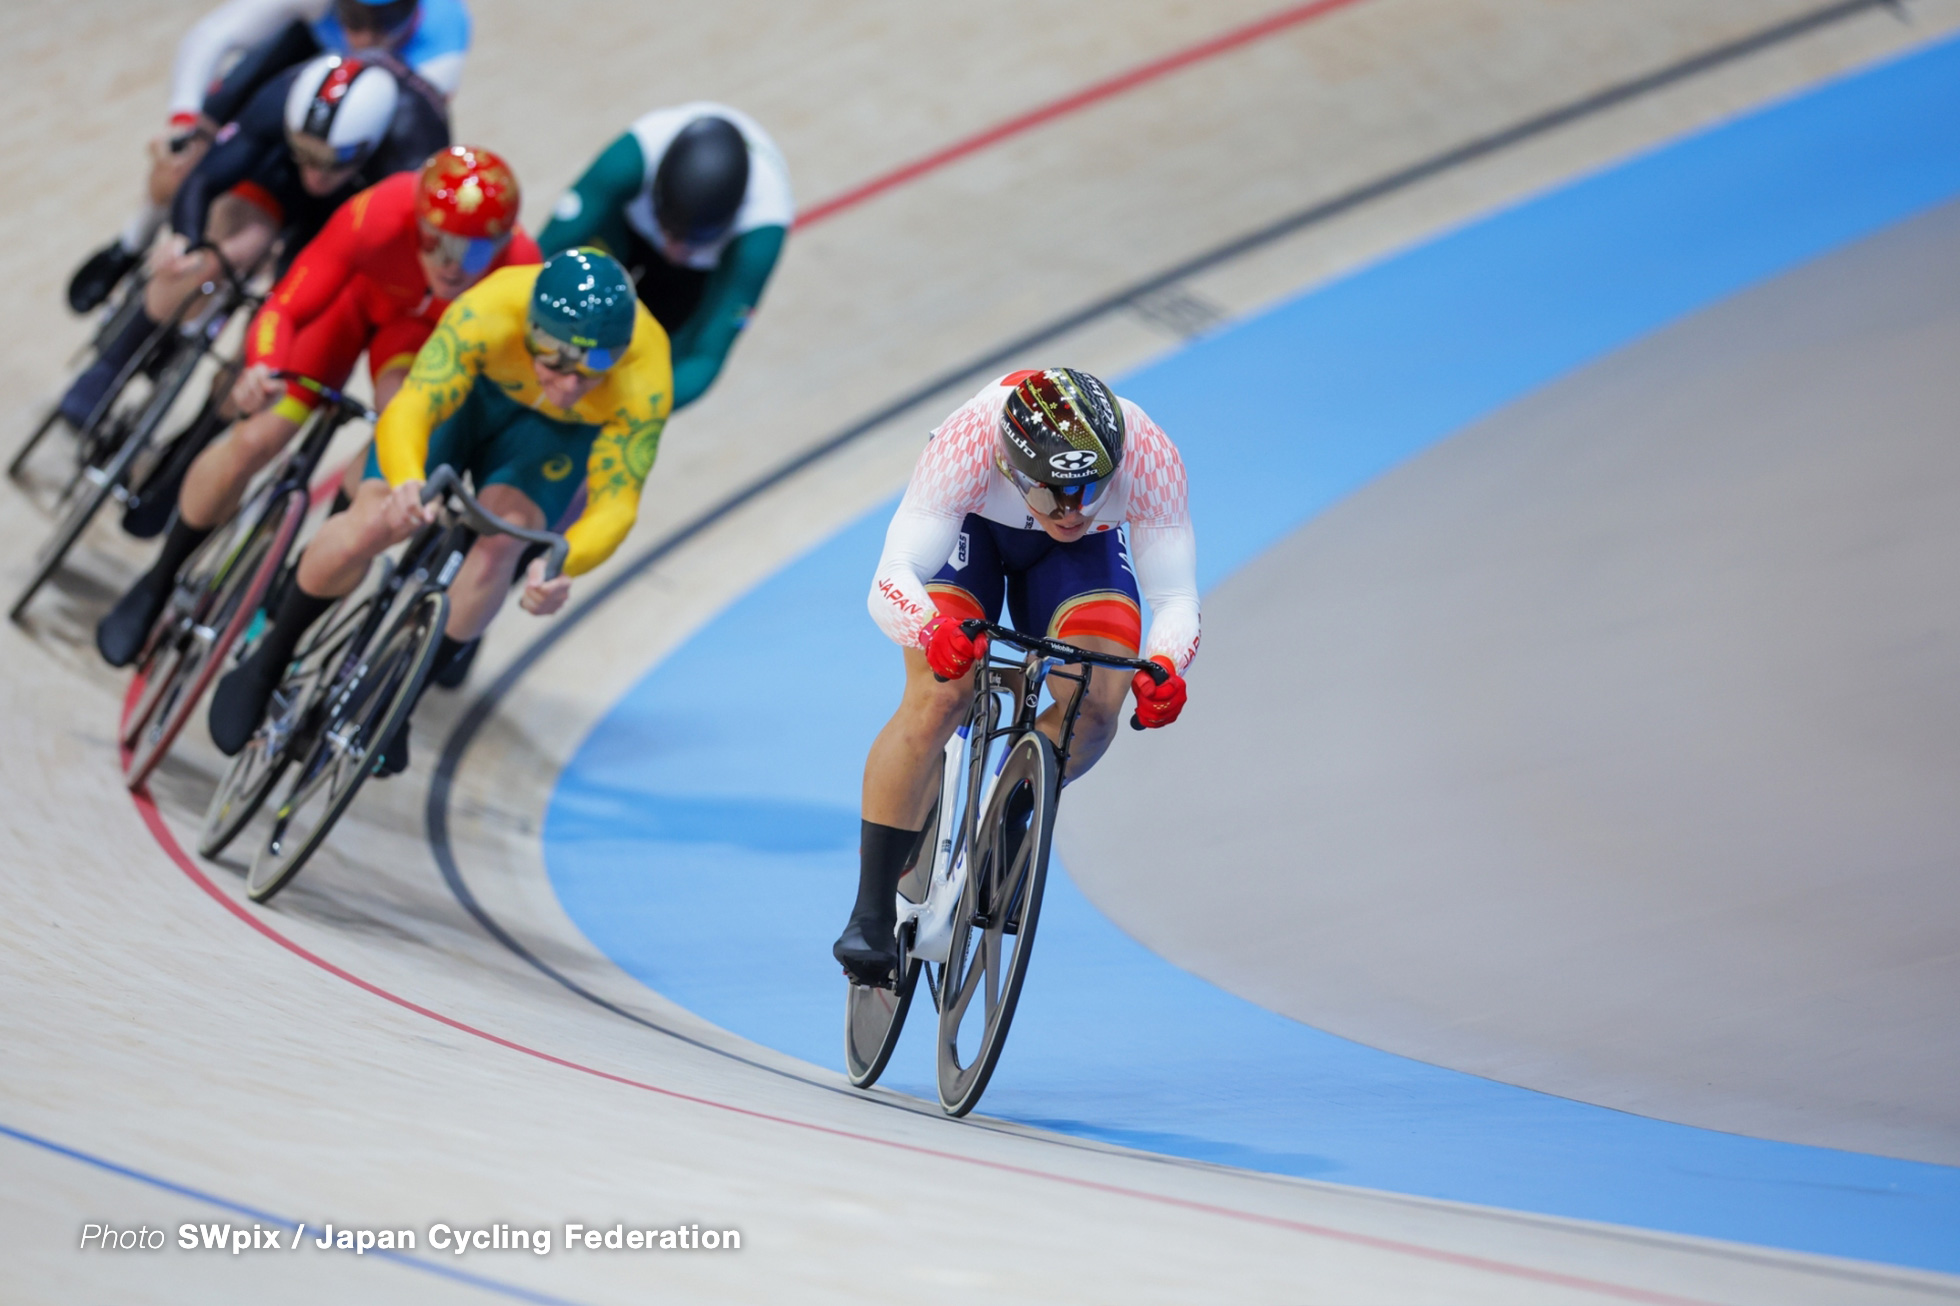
x=531, y=374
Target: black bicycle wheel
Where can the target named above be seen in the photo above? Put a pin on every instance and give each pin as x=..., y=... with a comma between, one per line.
x=201, y=624
x=287, y=729
x=367, y=709
x=874, y=1014
x=993, y=932
x=19, y=463
x=97, y=484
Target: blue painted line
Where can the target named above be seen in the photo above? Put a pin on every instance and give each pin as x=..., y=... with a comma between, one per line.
x=704, y=835
x=278, y=1221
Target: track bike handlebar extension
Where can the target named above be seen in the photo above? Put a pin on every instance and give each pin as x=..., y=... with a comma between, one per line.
x=354, y=409
x=444, y=482
x=974, y=627
x=231, y=276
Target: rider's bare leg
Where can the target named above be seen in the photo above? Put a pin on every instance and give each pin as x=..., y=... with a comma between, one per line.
x=217, y=478
x=1102, y=711
x=904, y=760
x=903, y=765
x=338, y=556
x=242, y=232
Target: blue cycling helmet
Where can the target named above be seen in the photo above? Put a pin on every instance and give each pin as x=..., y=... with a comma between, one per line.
x=582, y=309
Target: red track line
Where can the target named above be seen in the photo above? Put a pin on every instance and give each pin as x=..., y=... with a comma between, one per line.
x=146, y=808
x=1270, y=25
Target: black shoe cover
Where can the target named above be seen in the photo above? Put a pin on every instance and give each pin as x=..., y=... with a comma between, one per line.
x=451, y=672
x=394, y=755
x=238, y=704
x=867, y=950
x=119, y=636
x=98, y=276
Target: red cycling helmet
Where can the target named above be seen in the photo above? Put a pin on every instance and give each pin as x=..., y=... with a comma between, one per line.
x=468, y=192
x=467, y=204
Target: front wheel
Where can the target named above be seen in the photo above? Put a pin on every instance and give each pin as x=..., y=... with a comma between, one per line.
x=19, y=464
x=186, y=652
x=993, y=934
x=286, y=731
x=367, y=710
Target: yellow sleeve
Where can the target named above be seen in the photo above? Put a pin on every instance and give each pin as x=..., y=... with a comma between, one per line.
x=624, y=450
x=444, y=371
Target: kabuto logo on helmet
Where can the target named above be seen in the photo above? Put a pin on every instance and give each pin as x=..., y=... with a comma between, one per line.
x=1074, y=460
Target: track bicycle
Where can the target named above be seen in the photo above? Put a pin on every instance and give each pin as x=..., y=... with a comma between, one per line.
x=967, y=909
x=110, y=322
x=223, y=586
x=352, y=683
x=123, y=425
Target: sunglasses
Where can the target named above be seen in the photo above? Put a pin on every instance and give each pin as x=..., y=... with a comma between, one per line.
x=356, y=16
x=1056, y=500
x=473, y=256
x=554, y=355
x=312, y=152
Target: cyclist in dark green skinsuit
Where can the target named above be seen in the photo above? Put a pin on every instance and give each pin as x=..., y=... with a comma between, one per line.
x=695, y=202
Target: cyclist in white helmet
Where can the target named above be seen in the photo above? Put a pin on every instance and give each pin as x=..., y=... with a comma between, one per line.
x=234, y=50
x=308, y=140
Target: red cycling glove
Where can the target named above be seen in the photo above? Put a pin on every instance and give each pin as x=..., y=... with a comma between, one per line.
x=1158, y=705
x=949, y=652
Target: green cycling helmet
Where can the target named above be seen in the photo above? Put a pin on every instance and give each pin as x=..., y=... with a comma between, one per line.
x=582, y=310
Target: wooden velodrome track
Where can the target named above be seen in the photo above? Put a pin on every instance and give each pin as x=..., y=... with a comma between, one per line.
x=364, y=1053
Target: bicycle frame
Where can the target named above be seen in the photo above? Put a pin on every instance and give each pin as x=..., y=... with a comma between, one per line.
x=971, y=766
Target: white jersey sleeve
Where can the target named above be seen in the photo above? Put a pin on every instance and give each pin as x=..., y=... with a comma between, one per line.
x=950, y=481
x=1163, y=546
x=230, y=29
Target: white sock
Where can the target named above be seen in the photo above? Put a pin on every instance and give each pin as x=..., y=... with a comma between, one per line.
x=142, y=228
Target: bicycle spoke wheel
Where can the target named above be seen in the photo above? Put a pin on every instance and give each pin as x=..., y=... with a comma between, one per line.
x=994, y=933
x=19, y=463
x=285, y=733
x=190, y=645
x=369, y=708
x=95, y=484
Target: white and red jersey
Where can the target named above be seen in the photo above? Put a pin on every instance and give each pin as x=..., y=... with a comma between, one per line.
x=957, y=474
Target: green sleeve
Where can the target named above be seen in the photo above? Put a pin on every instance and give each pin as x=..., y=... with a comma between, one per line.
x=599, y=216
x=733, y=290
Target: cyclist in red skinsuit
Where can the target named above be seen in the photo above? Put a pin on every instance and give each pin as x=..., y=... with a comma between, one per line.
x=367, y=282
x=377, y=277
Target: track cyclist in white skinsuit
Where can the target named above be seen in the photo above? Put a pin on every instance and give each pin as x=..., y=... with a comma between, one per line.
x=231, y=52
x=1022, y=497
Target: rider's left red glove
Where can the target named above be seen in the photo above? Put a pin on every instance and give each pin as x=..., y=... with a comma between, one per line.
x=1158, y=705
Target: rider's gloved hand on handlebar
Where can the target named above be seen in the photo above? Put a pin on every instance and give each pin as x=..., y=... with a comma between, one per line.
x=1158, y=705
x=948, y=651
x=543, y=597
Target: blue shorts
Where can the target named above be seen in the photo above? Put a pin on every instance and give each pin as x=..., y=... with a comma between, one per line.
x=501, y=442
x=1063, y=591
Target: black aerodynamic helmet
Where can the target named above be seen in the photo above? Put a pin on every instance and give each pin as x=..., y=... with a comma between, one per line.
x=1060, y=439
x=699, y=185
